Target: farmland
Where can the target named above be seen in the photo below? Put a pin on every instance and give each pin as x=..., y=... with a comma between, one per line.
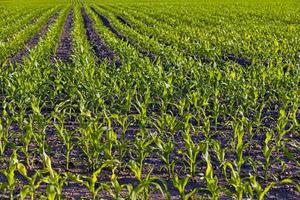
x=150, y=99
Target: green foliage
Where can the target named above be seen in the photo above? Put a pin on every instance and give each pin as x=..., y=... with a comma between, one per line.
x=182, y=117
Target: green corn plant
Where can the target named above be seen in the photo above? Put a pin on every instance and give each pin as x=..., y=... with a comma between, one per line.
x=116, y=186
x=64, y=134
x=33, y=184
x=141, y=146
x=248, y=130
x=289, y=155
x=166, y=124
x=20, y=115
x=3, y=139
x=144, y=182
x=143, y=190
x=238, y=130
x=121, y=143
x=171, y=123
x=181, y=105
x=216, y=104
x=165, y=149
x=219, y=151
x=136, y=168
x=90, y=181
x=35, y=106
x=168, y=88
x=235, y=181
x=258, y=114
x=261, y=192
x=111, y=138
x=267, y=152
x=27, y=137
x=194, y=99
x=5, y=124
x=41, y=124
x=55, y=181
x=91, y=136
x=142, y=117
x=85, y=113
x=180, y=185
x=216, y=107
x=123, y=122
x=281, y=128
x=205, y=101
x=206, y=127
x=294, y=110
x=128, y=98
x=9, y=173
x=39, y=138
x=191, y=152
x=211, y=180
x=147, y=95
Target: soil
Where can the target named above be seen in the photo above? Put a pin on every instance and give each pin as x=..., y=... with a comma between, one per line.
x=31, y=21
x=101, y=50
x=226, y=57
x=108, y=24
x=64, y=49
x=123, y=21
x=17, y=58
x=241, y=61
x=79, y=162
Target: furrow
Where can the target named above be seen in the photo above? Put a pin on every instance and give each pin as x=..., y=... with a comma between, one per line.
x=224, y=58
x=17, y=58
x=108, y=24
x=101, y=50
x=64, y=49
x=123, y=21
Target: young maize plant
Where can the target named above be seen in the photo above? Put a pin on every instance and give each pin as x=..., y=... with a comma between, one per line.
x=149, y=100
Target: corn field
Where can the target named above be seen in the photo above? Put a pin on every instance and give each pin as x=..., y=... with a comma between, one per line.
x=150, y=99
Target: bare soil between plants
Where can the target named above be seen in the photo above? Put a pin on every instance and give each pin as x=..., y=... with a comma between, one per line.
x=101, y=50
x=79, y=162
x=106, y=22
x=64, y=49
x=17, y=58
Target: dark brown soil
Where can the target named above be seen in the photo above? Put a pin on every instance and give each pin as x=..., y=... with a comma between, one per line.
x=17, y=58
x=101, y=50
x=79, y=164
x=108, y=24
x=64, y=49
x=241, y=61
x=31, y=21
x=226, y=57
x=123, y=21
